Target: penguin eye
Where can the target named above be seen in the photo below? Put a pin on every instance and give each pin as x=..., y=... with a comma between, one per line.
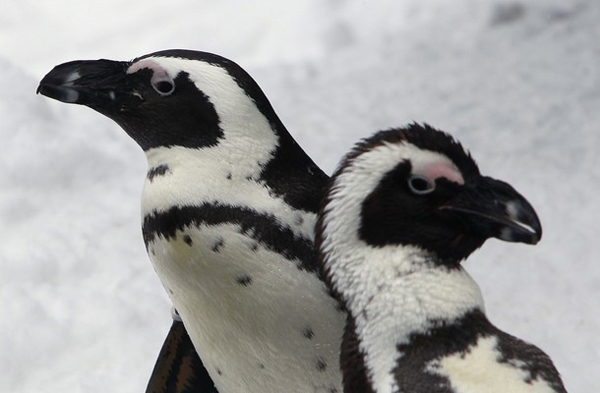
x=420, y=185
x=163, y=85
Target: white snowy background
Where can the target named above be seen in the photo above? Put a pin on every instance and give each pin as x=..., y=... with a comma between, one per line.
x=517, y=81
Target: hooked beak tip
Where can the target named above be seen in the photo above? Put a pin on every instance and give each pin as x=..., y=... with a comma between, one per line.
x=60, y=93
x=523, y=225
x=511, y=221
x=59, y=83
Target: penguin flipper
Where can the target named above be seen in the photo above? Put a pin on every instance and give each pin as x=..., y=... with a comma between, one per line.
x=178, y=368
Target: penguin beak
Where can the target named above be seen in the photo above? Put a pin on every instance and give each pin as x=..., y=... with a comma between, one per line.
x=99, y=84
x=493, y=208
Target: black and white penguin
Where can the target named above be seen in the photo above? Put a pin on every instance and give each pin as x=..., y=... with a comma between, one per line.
x=228, y=213
x=402, y=211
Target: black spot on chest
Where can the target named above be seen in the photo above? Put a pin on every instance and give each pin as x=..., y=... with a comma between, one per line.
x=244, y=280
x=308, y=333
x=218, y=244
x=160, y=170
x=188, y=240
x=321, y=365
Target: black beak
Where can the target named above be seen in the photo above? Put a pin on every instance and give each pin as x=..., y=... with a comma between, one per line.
x=493, y=208
x=98, y=84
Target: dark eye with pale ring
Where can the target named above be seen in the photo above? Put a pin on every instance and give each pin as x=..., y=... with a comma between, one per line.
x=420, y=185
x=163, y=84
x=163, y=87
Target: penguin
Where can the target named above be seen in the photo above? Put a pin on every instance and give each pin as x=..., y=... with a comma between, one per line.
x=401, y=212
x=229, y=207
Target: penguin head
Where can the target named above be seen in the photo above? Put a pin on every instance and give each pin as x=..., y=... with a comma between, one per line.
x=168, y=98
x=417, y=186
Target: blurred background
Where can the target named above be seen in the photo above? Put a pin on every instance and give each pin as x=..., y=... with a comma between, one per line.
x=517, y=81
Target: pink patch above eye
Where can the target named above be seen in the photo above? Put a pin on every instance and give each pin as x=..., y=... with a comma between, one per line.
x=158, y=71
x=438, y=170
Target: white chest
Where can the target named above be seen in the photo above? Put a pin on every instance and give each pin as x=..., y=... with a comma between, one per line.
x=411, y=305
x=393, y=292
x=259, y=322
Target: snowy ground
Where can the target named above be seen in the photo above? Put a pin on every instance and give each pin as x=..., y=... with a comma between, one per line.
x=517, y=81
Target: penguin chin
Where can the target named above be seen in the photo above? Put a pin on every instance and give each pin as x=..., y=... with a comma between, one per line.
x=460, y=248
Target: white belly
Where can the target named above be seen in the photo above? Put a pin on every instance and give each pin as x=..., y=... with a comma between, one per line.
x=259, y=323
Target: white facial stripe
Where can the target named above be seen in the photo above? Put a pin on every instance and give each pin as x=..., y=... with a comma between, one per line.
x=364, y=174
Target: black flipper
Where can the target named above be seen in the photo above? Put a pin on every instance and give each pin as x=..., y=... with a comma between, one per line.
x=178, y=368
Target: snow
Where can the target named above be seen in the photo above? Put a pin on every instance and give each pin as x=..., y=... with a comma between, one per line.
x=517, y=82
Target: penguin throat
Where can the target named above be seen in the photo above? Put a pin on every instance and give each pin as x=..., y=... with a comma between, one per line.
x=236, y=154
x=394, y=292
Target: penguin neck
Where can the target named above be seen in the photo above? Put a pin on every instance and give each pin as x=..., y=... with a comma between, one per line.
x=244, y=149
x=402, y=285
x=182, y=176
x=235, y=172
x=253, y=149
x=393, y=293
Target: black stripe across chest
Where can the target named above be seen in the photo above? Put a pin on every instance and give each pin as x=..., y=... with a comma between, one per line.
x=262, y=227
